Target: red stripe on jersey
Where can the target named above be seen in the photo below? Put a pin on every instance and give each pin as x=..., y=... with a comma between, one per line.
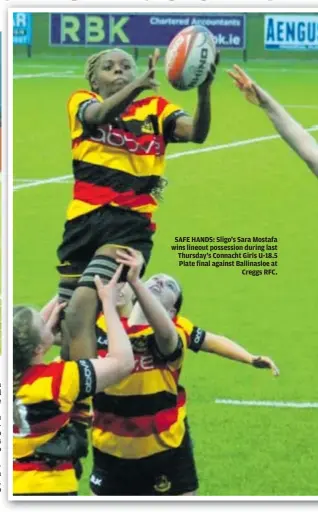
x=56, y=382
x=77, y=141
x=139, y=426
x=131, y=109
x=42, y=370
x=40, y=466
x=45, y=427
x=162, y=103
x=96, y=194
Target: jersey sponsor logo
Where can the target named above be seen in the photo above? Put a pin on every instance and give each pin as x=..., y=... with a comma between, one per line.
x=88, y=376
x=162, y=484
x=198, y=336
x=113, y=137
x=144, y=363
x=147, y=126
x=102, y=341
x=140, y=344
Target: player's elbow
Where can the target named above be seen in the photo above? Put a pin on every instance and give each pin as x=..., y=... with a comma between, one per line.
x=199, y=137
x=199, y=140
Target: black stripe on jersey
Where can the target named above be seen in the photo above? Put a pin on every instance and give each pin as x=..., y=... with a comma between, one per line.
x=196, y=339
x=134, y=405
x=42, y=411
x=118, y=180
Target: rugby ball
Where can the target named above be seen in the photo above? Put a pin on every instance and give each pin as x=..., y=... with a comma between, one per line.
x=189, y=57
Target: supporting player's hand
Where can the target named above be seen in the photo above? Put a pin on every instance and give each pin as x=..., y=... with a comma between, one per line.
x=211, y=74
x=107, y=292
x=51, y=314
x=134, y=260
x=265, y=362
x=245, y=84
x=148, y=79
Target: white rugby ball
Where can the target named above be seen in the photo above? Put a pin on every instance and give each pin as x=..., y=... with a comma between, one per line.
x=189, y=57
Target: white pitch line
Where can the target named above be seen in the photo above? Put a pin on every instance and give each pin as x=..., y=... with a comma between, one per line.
x=59, y=179
x=267, y=403
x=36, y=183
x=311, y=107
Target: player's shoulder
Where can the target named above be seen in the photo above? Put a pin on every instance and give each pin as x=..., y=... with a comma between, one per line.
x=81, y=95
x=42, y=371
x=184, y=323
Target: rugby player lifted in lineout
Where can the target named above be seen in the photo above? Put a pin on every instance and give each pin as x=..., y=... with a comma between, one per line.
x=118, y=151
x=291, y=131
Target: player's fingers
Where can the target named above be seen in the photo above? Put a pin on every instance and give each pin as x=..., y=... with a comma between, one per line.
x=116, y=276
x=149, y=61
x=232, y=74
x=98, y=283
x=132, y=251
x=239, y=70
x=156, y=56
x=274, y=368
x=124, y=255
x=154, y=84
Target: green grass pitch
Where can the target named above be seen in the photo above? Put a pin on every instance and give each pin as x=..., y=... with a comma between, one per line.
x=259, y=189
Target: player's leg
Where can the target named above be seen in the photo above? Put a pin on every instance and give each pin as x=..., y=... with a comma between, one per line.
x=112, y=476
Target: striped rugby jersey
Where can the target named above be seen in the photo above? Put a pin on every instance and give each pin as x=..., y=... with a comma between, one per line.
x=44, y=402
x=119, y=163
x=144, y=414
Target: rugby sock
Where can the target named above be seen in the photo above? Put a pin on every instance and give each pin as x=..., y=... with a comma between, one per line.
x=100, y=265
x=66, y=289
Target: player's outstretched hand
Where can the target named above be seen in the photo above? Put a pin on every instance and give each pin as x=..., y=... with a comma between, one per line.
x=148, y=79
x=265, y=362
x=107, y=292
x=51, y=314
x=211, y=74
x=245, y=84
x=134, y=260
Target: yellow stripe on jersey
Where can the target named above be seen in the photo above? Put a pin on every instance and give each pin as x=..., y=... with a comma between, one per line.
x=152, y=381
x=44, y=482
x=139, y=447
x=39, y=390
x=186, y=324
x=24, y=447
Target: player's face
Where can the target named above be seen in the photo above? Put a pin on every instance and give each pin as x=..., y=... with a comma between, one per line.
x=124, y=295
x=115, y=70
x=46, y=334
x=165, y=288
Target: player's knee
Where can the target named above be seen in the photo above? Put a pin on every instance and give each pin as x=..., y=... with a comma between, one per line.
x=107, y=250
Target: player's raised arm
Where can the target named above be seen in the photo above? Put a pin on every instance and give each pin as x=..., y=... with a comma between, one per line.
x=164, y=329
x=225, y=347
x=291, y=131
x=196, y=128
x=116, y=82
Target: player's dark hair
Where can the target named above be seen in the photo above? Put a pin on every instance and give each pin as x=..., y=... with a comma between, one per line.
x=92, y=63
x=178, y=303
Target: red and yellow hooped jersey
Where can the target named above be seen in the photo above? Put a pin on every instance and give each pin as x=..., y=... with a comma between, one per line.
x=119, y=163
x=44, y=403
x=144, y=414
